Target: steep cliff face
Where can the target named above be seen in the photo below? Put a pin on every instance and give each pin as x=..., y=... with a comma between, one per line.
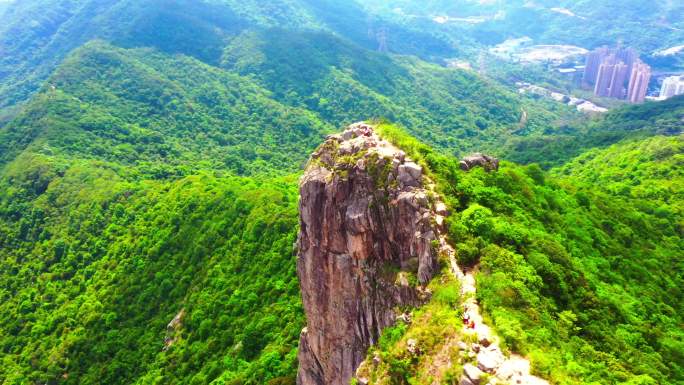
x=365, y=247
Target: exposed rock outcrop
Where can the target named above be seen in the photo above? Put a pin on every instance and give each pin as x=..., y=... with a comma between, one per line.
x=365, y=248
x=489, y=163
x=173, y=329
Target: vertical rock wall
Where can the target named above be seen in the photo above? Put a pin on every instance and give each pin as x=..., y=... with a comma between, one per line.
x=365, y=247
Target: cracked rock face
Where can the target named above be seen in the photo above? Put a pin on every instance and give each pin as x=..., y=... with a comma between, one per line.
x=363, y=231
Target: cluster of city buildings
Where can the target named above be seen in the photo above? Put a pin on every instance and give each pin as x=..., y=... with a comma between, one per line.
x=617, y=73
x=672, y=86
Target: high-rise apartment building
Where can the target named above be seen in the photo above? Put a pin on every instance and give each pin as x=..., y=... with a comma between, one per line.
x=672, y=86
x=592, y=65
x=611, y=78
x=617, y=73
x=628, y=56
x=638, y=82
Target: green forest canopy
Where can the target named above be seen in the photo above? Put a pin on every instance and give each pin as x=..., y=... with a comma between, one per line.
x=581, y=269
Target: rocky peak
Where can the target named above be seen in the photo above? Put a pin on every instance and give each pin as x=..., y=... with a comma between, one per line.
x=366, y=247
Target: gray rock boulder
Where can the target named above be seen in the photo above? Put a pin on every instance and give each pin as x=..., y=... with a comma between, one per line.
x=489, y=163
x=410, y=174
x=473, y=373
x=489, y=360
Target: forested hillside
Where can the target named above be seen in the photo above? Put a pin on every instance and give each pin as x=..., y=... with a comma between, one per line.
x=166, y=115
x=118, y=210
x=584, y=280
x=149, y=158
x=94, y=267
x=312, y=59
x=336, y=80
x=453, y=109
x=560, y=144
x=35, y=36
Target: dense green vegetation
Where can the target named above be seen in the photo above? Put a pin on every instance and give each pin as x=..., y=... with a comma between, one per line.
x=36, y=35
x=165, y=115
x=647, y=170
x=570, y=139
x=148, y=164
x=119, y=206
x=118, y=209
x=585, y=280
x=306, y=53
x=336, y=80
x=93, y=268
x=454, y=110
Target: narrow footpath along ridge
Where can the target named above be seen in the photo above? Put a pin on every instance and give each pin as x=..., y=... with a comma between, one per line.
x=486, y=350
x=487, y=354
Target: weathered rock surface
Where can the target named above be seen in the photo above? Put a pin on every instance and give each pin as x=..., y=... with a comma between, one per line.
x=364, y=229
x=489, y=163
x=489, y=360
x=472, y=373
x=173, y=329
